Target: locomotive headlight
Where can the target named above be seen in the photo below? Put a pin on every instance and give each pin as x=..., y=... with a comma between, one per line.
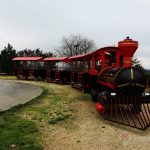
x=146, y=94
x=113, y=94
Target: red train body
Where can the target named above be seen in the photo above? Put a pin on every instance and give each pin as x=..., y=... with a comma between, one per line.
x=57, y=70
x=31, y=68
x=107, y=74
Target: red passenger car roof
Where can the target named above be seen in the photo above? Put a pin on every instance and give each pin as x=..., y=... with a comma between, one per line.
x=56, y=59
x=27, y=58
x=79, y=56
x=109, y=48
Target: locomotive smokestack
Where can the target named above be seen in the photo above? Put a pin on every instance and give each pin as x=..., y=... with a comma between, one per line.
x=127, y=48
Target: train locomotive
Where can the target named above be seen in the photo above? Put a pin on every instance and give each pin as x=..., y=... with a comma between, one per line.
x=119, y=89
x=115, y=85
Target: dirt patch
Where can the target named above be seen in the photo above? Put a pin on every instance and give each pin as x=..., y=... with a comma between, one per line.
x=88, y=130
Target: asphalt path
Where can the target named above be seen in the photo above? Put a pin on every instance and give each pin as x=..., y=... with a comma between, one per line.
x=13, y=93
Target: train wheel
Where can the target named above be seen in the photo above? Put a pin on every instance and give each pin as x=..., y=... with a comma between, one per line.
x=61, y=82
x=93, y=95
x=86, y=88
x=72, y=85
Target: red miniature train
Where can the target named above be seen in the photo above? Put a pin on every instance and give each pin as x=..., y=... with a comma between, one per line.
x=106, y=73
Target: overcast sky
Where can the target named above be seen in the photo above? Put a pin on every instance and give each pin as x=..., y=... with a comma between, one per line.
x=43, y=23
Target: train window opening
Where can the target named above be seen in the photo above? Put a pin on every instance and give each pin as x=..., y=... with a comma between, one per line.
x=97, y=63
x=72, y=65
x=51, y=65
x=113, y=57
x=80, y=65
x=30, y=65
x=57, y=65
x=121, y=60
x=62, y=66
x=110, y=59
x=22, y=64
x=75, y=77
x=41, y=65
x=88, y=63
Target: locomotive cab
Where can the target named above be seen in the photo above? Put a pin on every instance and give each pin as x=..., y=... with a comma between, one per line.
x=103, y=58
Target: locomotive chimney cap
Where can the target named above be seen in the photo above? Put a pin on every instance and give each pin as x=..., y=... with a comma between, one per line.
x=128, y=47
x=127, y=41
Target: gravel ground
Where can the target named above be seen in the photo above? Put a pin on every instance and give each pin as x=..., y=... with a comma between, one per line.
x=88, y=130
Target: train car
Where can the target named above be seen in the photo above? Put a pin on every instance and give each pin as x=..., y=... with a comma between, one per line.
x=79, y=67
x=29, y=68
x=86, y=67
x=57, y=70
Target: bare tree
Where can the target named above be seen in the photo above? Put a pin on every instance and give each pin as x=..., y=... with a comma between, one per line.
x=75, y=45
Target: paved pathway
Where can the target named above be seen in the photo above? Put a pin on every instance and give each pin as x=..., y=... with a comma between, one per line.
x=13, y=93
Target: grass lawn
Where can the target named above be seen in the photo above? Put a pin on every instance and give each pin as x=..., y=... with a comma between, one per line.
x=22, y=126
x=6, y=77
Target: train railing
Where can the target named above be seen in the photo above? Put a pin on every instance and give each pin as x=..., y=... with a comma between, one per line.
x=130, y=111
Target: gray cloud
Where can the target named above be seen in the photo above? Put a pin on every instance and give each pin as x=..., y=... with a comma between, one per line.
x=42, y=23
